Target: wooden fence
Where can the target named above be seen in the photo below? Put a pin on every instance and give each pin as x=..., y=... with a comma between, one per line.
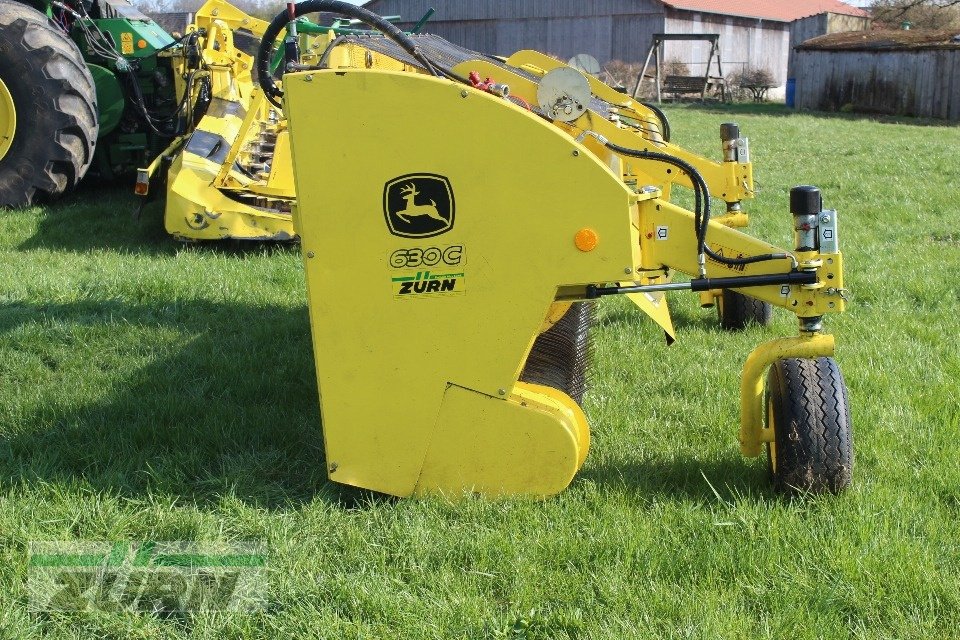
x=911, y=82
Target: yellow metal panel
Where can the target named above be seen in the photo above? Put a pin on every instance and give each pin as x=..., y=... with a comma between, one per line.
x=667, y=238
x=385, y=358
x=522, y=393
x=655, y=306
x=197, y=211
x=281, y=171
x=199, y=206
x=229, y=14
x=527, y=445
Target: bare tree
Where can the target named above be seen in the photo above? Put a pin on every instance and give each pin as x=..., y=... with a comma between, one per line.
x=921, y=14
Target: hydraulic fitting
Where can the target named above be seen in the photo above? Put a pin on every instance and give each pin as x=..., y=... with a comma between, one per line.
x=805, y=204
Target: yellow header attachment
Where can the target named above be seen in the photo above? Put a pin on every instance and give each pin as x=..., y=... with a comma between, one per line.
x=433, y=255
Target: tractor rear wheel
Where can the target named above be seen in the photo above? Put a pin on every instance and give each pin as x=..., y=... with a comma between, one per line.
x=561, y=354
x=737, y=311
x=48, y=110
x=809, y=412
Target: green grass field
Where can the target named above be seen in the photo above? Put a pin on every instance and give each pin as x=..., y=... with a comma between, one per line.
x=152, y=391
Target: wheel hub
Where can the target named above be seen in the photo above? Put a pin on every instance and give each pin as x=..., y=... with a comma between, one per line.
x=8, y=119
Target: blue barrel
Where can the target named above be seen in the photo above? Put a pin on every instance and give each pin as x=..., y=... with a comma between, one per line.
x=791, y=92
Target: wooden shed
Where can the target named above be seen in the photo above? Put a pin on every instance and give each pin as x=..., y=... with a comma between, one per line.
x=821, y=24
x=753, y=33
x=911, y=73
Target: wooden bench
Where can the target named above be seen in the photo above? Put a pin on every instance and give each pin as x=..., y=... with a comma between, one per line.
x=683, y=84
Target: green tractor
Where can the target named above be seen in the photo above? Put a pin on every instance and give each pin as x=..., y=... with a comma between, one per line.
x=81, y=89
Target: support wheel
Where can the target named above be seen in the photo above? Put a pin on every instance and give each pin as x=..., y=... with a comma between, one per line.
x=807, y=407
x=48, y=111
x=737, y=311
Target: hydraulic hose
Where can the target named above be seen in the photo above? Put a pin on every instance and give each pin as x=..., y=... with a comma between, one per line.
x=701, y=210
x=664, y=122
x=269, y=85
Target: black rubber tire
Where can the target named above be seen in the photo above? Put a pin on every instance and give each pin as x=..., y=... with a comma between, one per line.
x=55, y=100
x=737, y=311
x=560, y=357
x=808, y=406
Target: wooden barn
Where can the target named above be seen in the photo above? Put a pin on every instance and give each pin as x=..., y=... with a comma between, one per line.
x=912, y=73
x=754, y=33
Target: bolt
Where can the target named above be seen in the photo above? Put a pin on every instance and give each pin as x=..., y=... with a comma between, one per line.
x=824, y=218
x=333, y=467
x=627, y=270
x=502, y=392
x=309, y=77
x=310, y=254
x=575, y=152
x=464, y=93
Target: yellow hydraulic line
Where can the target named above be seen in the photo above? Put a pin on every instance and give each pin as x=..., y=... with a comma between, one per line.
x=806, y=345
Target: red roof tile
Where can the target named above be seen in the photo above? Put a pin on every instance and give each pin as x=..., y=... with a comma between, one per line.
x=778, y=10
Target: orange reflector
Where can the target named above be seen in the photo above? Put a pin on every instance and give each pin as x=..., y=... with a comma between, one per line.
x=141, y=44
x=143, y=183
x=586, y=239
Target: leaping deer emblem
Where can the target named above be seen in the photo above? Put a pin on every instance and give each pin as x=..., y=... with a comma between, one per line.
x=412, y=209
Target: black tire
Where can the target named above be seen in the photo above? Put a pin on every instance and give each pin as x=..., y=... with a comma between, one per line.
x=55, y=101
x=808, y=408
x=560, y=356
x=737, y=311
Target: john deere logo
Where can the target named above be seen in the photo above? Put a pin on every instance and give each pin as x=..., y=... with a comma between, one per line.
x=418, y=205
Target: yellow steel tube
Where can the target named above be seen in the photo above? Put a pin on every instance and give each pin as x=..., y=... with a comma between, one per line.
x=155, y=164
x=808, y=345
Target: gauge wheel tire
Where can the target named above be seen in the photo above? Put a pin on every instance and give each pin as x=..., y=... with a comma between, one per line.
x=809, y=412
x=738, y=311
x=560, y=356
x=55, y=101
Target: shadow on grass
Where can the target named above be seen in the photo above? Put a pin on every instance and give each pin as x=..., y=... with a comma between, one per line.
x=680, y=315
x=780, y=110
x=104, y=217
x=227, y=407
x=98, y=216
x=228, y=410
x=706, y=481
